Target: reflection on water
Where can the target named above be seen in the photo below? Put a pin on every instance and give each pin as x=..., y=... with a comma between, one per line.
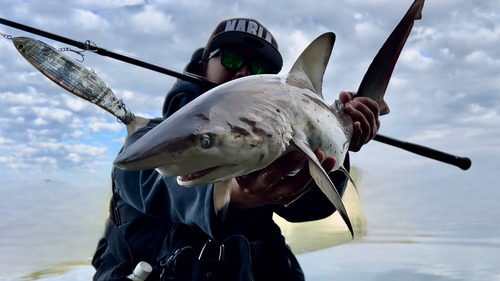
x=49, y=226
x=329, y=232
x=412, y=231
x=64, y=270
x=406, y=258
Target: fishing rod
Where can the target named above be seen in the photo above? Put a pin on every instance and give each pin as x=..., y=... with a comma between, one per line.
x=462, y=162
x=89, y=46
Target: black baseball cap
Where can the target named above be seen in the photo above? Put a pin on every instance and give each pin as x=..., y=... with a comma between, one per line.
x=249, y=33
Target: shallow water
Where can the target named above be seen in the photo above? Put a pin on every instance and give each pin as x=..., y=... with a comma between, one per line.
x=48, y=227
x=418, y=229
x=406, y=258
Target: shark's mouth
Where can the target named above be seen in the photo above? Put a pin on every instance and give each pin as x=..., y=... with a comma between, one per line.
x=196, y=175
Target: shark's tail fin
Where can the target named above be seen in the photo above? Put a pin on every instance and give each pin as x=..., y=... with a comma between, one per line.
x=379, y=73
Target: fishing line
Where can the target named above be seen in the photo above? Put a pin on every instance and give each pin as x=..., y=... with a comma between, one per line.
x=6, y=36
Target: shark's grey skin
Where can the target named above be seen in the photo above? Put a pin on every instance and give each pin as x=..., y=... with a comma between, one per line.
x=246, y=124
x=240, y=127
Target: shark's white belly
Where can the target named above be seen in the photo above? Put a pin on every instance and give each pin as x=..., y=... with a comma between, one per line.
x=305, y=115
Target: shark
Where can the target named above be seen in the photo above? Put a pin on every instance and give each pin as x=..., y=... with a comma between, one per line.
x=246, y=124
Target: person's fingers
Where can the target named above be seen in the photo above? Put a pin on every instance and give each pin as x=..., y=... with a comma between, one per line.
x=273, y=186
x=365, y=113
x=360, y=113
x=345, y=97
x=291, y=188
x=288, y=164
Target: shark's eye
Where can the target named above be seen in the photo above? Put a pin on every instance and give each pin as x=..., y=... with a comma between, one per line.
x=205, y=141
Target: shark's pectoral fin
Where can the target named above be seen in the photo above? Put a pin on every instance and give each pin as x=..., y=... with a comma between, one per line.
x=322, y=179
x=136, y=124
x=222, y=197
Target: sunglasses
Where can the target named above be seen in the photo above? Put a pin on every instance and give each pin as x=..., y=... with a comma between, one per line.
x=235, y=60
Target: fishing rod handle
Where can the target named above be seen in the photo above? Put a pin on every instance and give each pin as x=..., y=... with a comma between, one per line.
x=463, y=163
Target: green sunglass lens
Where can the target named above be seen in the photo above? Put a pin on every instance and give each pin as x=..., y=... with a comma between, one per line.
x=231, y=60
x=259, y=67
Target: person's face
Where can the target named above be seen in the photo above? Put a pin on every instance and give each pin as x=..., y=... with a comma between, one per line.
x=217, y=73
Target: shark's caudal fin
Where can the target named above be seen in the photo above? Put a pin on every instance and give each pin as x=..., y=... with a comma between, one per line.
x=309, y=68
x=379, y=73
x=322, y=179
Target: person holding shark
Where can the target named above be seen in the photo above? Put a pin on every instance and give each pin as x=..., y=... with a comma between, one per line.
x=182, y=232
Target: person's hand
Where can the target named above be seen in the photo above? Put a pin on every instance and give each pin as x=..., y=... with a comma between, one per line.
x=274, y=184
x=364, y=112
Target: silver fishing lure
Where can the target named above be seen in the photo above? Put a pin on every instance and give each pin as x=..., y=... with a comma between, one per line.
x=77, y=79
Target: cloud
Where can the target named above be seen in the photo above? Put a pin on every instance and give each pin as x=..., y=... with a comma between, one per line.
x=18, y=99
x=481, y=116
x=367, y=31
x=415, y=59
x=110, y=4
x=4, y=140
x=22, y=150
x=84, y=149
x=17, y=110
x=98, y=127
x=77, y=134
x=150, y=20
x=40, y=121
x=89, y=20
x=295, y=43
x=75, y=104
x=74, y=157
x=46, y=161
x=57, y=114
x=53, y=145
x=482, y=58
x=430, y=135
x=127, y=94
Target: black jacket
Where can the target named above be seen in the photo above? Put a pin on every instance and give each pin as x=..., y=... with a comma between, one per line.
x=152, y=218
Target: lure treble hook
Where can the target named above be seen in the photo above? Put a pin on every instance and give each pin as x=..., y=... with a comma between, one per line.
x=87, y=46
x=66, y=49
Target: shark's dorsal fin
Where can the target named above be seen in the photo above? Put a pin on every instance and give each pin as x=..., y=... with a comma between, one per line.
x=322, y=179
x=309, y=68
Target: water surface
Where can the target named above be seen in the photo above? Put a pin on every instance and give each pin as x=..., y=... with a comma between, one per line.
x=423, y=222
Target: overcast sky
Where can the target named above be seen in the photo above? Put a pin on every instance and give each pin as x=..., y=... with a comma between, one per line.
x=444, y=92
